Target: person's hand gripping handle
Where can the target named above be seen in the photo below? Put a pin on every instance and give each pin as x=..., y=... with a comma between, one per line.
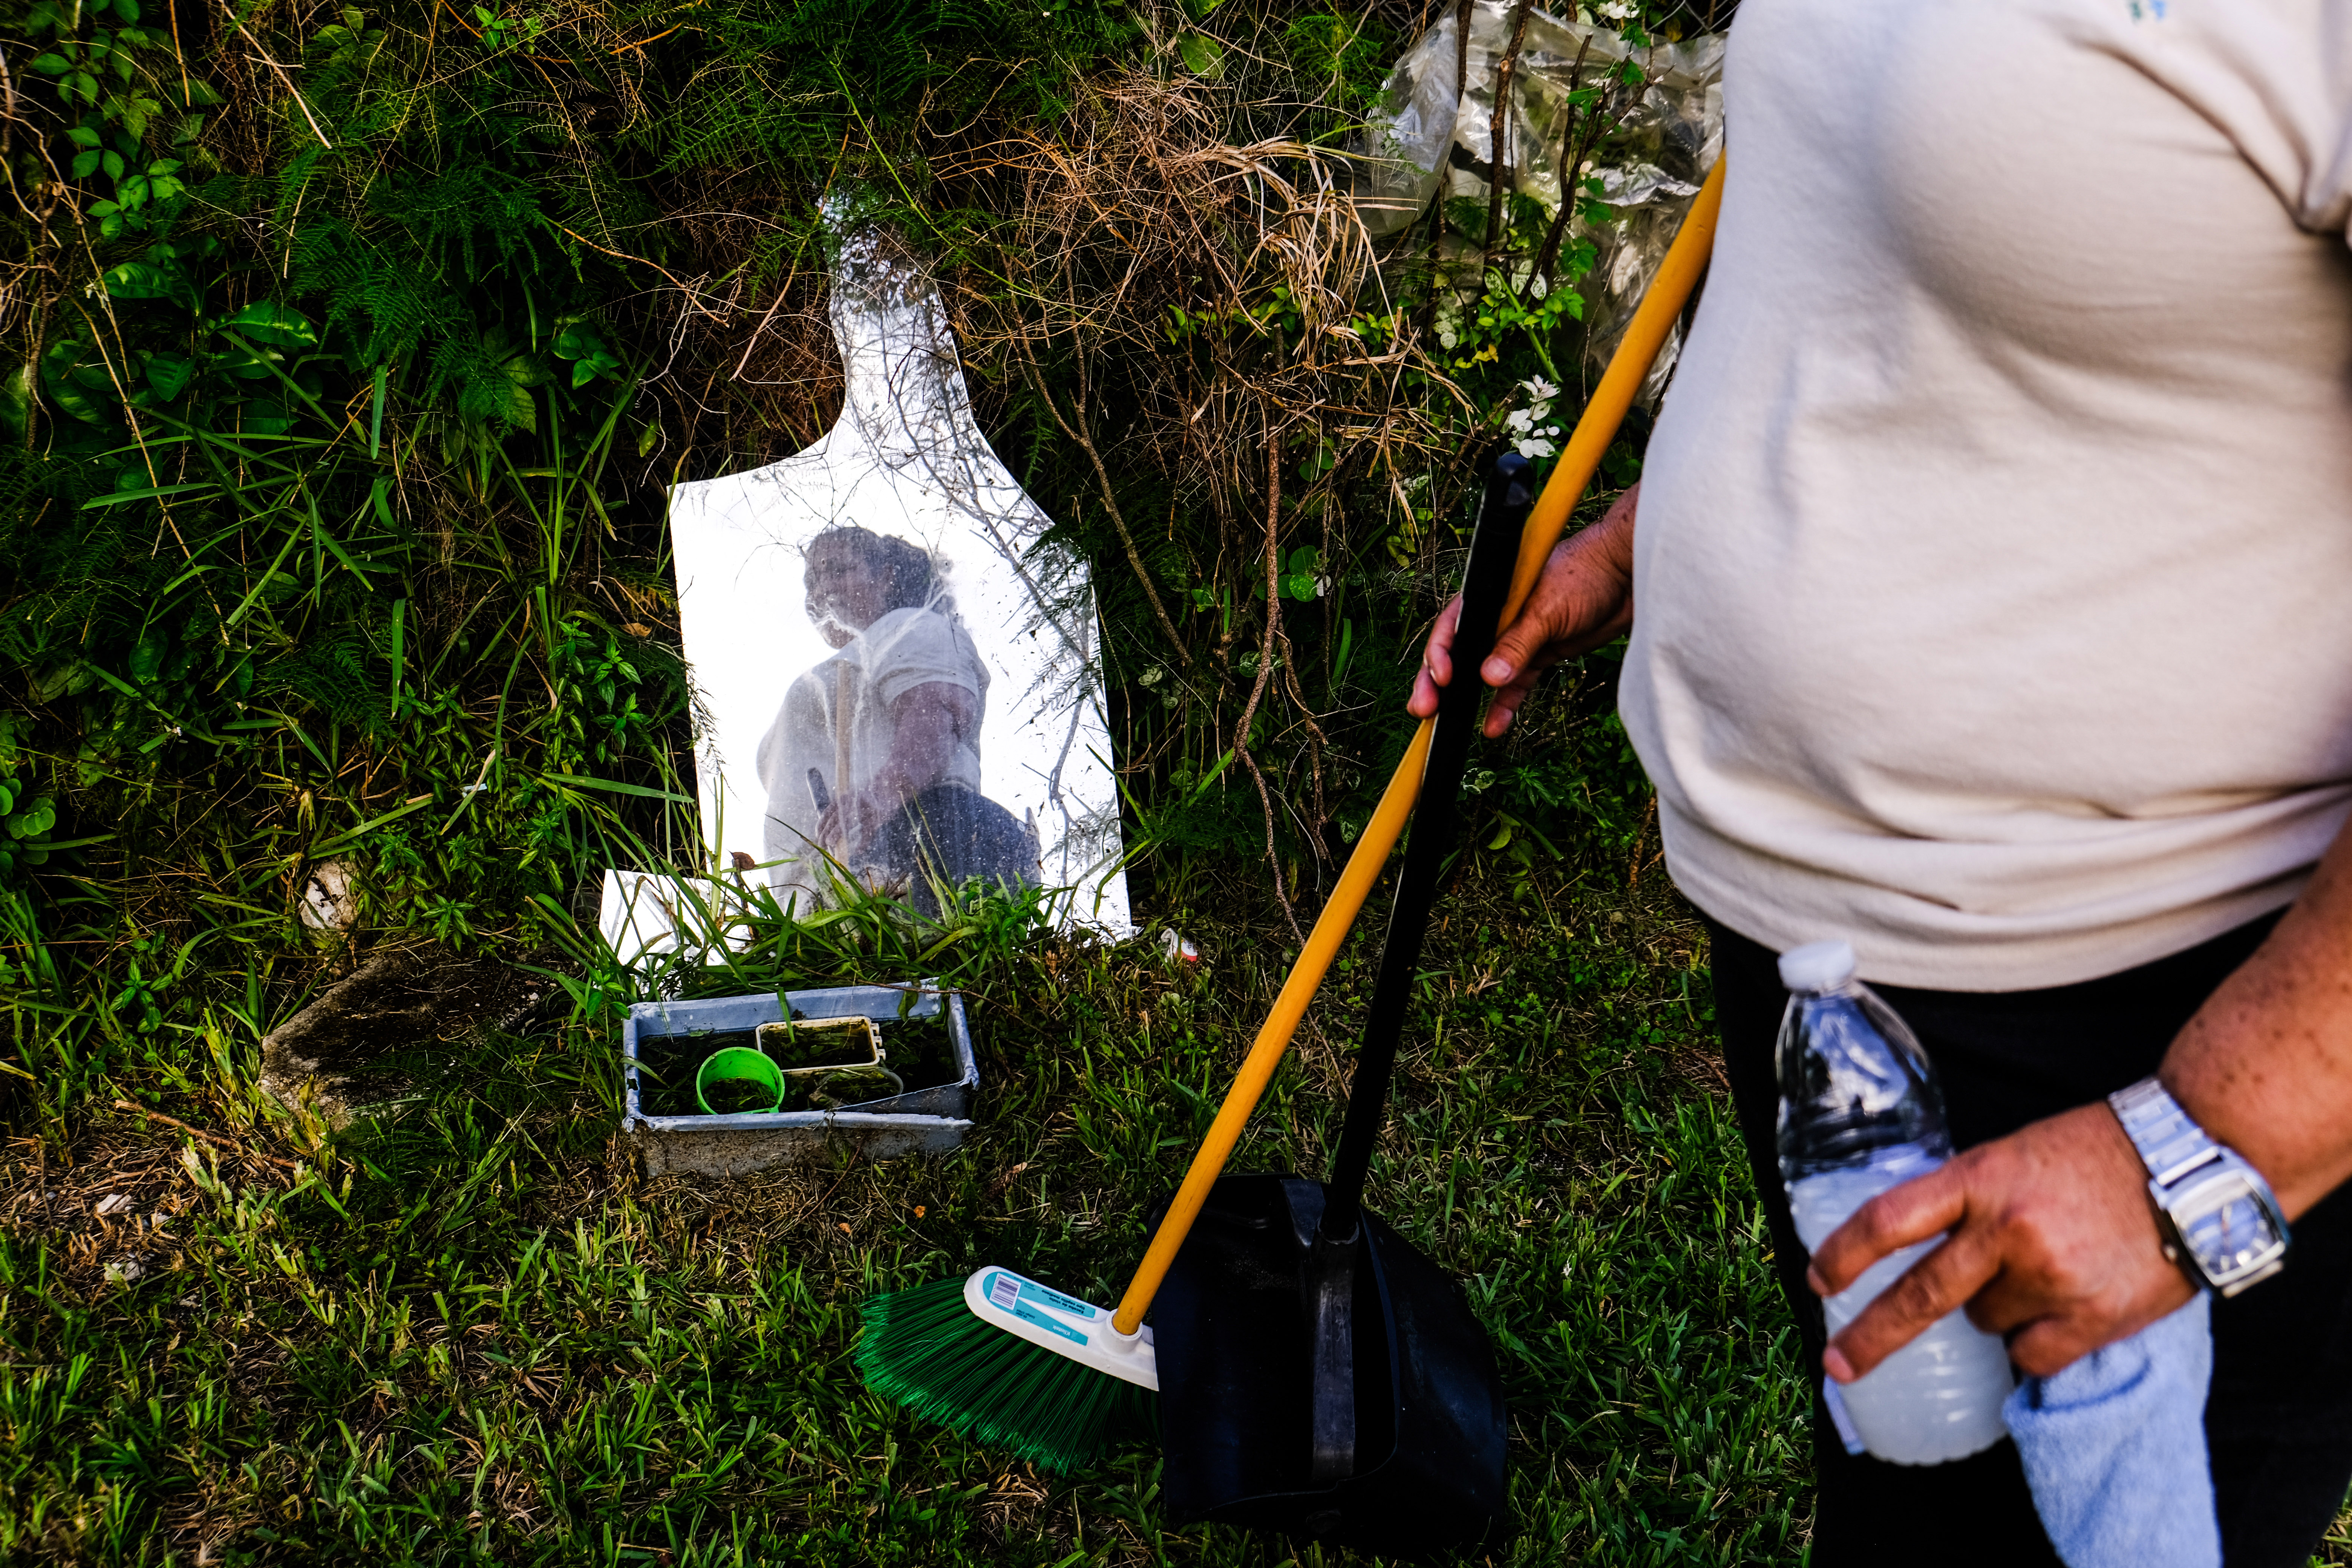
x=1584, y=600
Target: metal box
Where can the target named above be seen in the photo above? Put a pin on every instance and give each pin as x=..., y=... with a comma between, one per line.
x=920, y=1122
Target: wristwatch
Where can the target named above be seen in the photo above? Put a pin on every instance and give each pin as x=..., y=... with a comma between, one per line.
x=2217, y=1215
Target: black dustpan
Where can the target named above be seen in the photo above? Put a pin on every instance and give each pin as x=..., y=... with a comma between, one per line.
x=1238, y=1391
x=1320, y=1378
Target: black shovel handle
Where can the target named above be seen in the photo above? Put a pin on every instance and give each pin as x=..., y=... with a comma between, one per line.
x=1436, y=828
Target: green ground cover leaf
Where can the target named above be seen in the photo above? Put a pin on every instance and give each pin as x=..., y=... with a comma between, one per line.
x=279, y=326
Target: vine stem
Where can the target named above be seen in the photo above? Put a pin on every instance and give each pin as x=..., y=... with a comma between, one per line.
x=1315, y=746
x=1499, y=171
x=1077, y=432
x=214, y=1139
x=1570, y=155
x=1265, y=666
x=263, y=56
x=1461, y=51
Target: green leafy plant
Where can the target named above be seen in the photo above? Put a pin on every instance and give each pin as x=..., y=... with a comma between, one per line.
x=27, y=819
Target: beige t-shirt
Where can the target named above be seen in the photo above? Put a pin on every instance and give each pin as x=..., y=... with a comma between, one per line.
x=903, y=650
x=1993, y=574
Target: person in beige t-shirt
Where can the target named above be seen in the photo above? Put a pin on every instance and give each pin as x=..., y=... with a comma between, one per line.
x=1989, y=594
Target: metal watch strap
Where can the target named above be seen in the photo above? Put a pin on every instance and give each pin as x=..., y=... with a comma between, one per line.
x=2170, y=1144
x=2173, y=1148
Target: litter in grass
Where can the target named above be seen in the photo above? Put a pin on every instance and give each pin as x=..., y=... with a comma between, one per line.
x=329, y=903
x=918, y=1031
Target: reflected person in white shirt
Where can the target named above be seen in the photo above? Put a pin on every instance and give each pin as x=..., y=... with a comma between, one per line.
x=873, y=762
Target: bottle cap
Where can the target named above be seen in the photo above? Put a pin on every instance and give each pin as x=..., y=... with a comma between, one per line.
x=1818, y=966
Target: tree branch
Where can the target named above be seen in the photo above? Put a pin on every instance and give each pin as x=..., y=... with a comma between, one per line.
x=1499, y=170
x=1265, y=664
x=1570, y=156
x=1077, y=433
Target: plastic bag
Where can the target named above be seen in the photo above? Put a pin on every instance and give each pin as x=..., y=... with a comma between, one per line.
x=1422, y=142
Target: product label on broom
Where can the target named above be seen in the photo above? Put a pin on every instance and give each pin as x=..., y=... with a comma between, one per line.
x=1022, y=1298
x=1032, y=1291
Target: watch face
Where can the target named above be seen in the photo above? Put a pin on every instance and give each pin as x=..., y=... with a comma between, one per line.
x=2226, y=1227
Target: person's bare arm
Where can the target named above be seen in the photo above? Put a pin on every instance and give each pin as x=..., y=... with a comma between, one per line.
x=2052, y=1239
x=927, y=723
x=1584, y=599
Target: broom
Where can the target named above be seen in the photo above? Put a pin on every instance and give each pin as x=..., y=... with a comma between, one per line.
x=1022, y=1368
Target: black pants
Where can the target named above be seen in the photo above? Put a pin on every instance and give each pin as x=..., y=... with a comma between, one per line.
x=949, y=832
x=2279, y=1418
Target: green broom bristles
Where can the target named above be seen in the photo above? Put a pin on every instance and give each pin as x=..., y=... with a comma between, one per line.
x=924, y=1350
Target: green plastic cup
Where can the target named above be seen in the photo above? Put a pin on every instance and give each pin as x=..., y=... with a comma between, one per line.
x=739, y=1063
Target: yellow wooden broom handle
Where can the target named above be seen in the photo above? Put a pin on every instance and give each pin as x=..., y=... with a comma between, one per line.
x=1678, y=276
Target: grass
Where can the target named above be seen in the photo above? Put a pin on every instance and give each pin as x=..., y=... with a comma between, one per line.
x=475, y=1331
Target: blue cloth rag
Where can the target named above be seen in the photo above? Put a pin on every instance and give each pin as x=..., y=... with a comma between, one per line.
x=2114, y=1447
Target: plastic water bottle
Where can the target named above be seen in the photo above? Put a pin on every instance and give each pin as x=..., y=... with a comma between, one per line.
x=1860, y=1113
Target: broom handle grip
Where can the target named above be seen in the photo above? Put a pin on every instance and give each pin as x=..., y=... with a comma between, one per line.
x=1644, y=336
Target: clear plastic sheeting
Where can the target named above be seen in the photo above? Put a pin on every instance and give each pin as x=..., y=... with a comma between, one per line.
x=899, y=678
x=1422, y=143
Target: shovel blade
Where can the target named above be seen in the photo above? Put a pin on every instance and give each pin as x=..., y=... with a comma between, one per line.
x=1237, y=1398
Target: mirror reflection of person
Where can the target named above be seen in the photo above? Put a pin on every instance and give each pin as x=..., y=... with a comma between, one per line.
x=874, y=758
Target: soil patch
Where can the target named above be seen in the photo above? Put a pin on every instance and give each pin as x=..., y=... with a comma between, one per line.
x=109, y=1206
x=359, y=1043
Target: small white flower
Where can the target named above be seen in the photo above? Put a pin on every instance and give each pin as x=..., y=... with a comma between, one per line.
x=1616, y=10
x=1535, y=446
x=1519, y=420
x=1539, y=388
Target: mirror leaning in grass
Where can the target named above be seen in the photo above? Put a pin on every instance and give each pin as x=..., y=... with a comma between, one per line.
x=902, y=676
